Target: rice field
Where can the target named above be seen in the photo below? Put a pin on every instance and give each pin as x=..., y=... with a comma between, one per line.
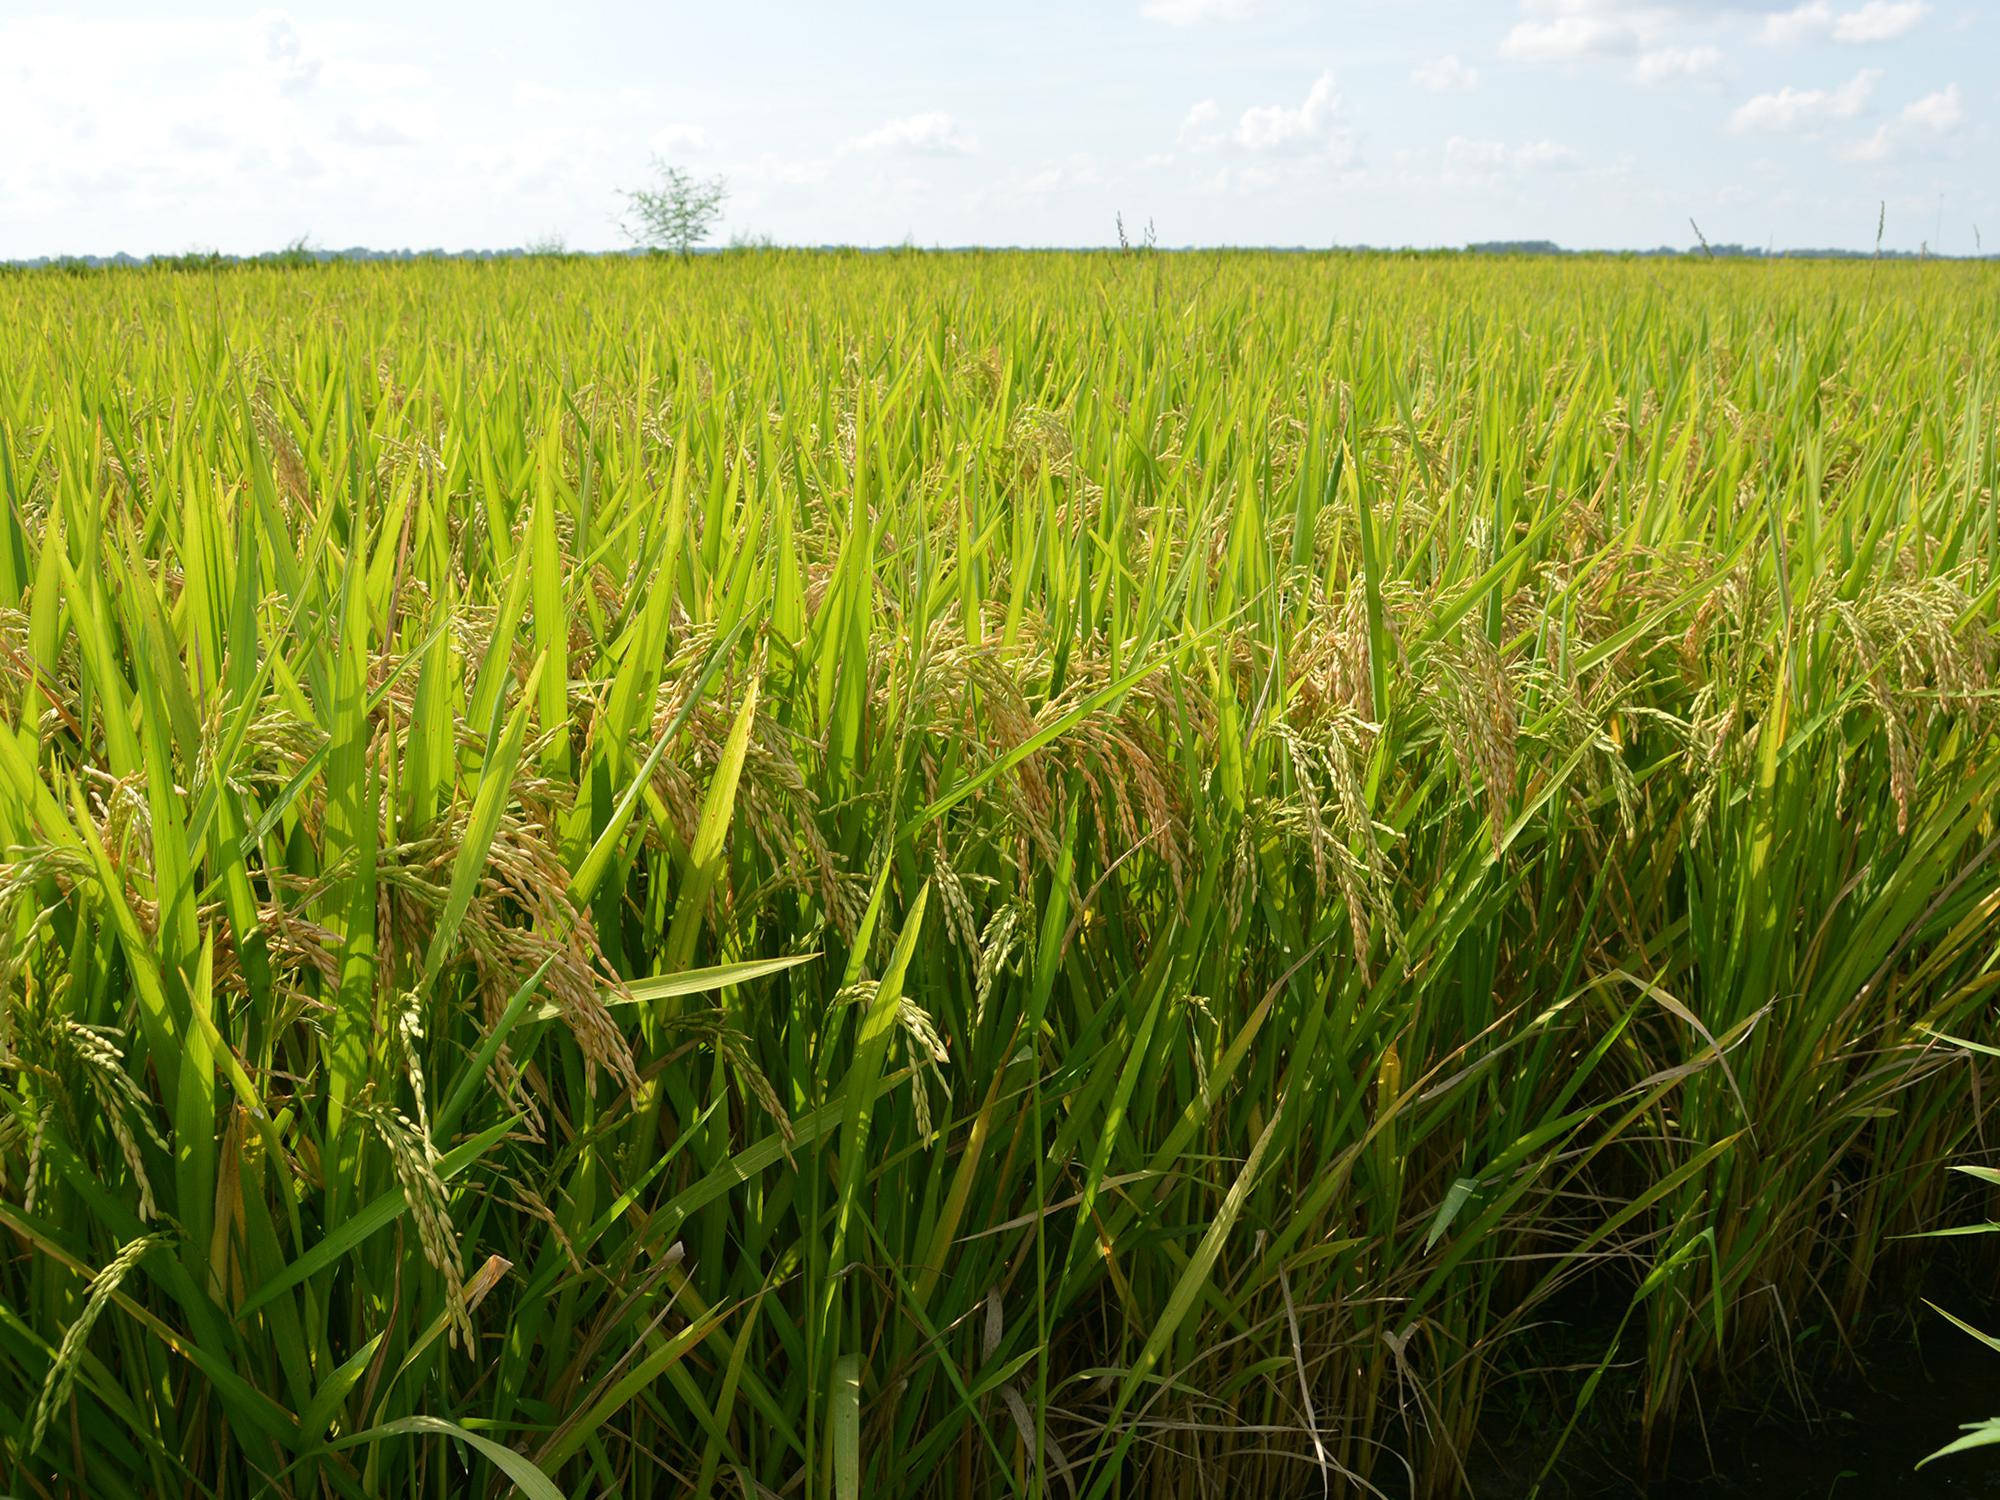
x=1077, y=875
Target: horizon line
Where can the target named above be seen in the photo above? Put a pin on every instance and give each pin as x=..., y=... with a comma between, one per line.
x=301, y=251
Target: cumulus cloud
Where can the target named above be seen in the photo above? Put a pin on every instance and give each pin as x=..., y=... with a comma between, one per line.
x=1573, y=31
x=1290, y=127
x=1307, y=128
x=932, y=133
x=279, y=49
x=1926, y=122
x=1802, y=23
x=1880, y=21
x=1816, y=20
x=1445, y=75
x=1272, y=147
x=1941, y=112
x=1199, y=128
x=1792, y=111
x=1573, y=38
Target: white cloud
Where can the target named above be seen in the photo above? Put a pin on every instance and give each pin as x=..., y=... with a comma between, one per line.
x=1791, y=111
x=1290, y=128
x=1273, y=148
x=1800, y=24
x=1195, y=12
x=280, y=51
x=1880, y=21
x=1571, y=38
x=1308, y=128
x=1445, y=75
x=1942, y=111
x=932, y=133
x=1925, y=122
x=1198, y=128
x=1677, y=64
x=1814, y=20
x=1573, y=31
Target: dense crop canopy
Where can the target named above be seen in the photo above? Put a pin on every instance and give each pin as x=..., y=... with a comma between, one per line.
x=970, y=875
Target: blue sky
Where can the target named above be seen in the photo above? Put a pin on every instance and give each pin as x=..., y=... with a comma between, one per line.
x=1421, y=122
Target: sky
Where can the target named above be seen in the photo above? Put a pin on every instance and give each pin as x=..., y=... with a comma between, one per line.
x=1594, y=123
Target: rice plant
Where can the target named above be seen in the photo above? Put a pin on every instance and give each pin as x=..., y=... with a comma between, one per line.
x=1019, y=875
